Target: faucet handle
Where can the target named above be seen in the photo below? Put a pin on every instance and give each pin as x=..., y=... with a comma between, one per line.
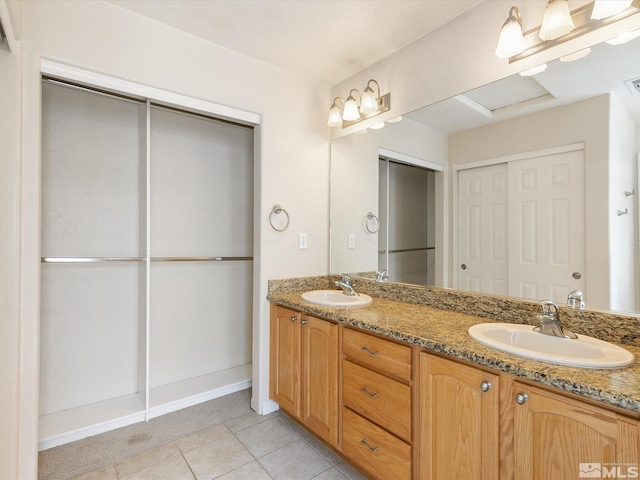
x=548, y=307
x=346, y=278
x=575, y=299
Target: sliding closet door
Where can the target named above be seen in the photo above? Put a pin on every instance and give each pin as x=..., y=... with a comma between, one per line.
x=201, y=232
x=93, y=211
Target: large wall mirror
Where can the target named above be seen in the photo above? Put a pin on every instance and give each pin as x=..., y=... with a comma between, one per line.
x=526, y=187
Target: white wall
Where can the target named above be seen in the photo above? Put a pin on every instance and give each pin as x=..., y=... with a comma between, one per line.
x=10, y=72
x=622, y=229
x=558, y=126
x=293, y=165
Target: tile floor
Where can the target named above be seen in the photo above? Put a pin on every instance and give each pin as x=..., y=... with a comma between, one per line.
x=251, y=447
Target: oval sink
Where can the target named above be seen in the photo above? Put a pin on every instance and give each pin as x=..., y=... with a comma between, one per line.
x=522, y=340
x=336, y=298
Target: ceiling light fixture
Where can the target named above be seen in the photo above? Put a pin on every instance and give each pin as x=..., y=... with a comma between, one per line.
x=511, y=41
x=371, y=105
x=557, y=20
x=606, y=8
x=560, y=25
x=576, y=55
x=624, y=38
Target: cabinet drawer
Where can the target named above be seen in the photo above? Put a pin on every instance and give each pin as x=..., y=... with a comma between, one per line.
x=381, y=355
x=378, y=398
x=374, y=449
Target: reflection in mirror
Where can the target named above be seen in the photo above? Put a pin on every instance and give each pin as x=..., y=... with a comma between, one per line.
x=573, y=129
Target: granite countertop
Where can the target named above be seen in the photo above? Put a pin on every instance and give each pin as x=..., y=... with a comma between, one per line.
x=446, y=332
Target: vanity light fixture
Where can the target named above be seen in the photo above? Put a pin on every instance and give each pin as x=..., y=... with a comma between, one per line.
x=371, y=104
x=560, y=25
x=511, y=41
x=606, y=8
x=395, y=119
x=557, y=20
x=377, y=126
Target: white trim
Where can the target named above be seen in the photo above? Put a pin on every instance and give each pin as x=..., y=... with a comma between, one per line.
x=264, y=408
x=5, y=18
x=98, y=80
x=520, y=156
x=408, y=159
x=198, y=398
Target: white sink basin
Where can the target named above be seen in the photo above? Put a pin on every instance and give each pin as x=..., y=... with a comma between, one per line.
x=336, y=298
x=522, y=340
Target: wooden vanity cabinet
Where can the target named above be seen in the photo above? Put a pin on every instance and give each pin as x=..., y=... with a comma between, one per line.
x=376, y=405
x=554, y=434
x=304, y=370
x=458, y=421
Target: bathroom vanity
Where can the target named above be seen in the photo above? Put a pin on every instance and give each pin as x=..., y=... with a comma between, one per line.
x=401, y=391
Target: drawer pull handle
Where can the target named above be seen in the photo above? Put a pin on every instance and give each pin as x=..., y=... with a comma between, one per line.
x=373, y=449
x=372, y=395
x=365, y=349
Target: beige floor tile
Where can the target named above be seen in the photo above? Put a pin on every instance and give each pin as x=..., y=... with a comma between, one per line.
x=217, y=458
x=247, y=421
x=175, y=468
x=332, y=474
x=203, y=437
x=137, y=463
x=250, y=471
x=322, y=449
x=296, y=461
x=293, y=425
x=266, y=437
x=106, y=473
x=350, y=472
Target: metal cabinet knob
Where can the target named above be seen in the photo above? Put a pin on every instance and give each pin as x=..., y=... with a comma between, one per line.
x=304, y=321
x=485, y=386
x=521, y=398
x=294, y=318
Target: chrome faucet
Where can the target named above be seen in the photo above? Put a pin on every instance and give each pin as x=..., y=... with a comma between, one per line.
x=382, y=276
x=346, y=285
x=549, y=321
x=575, y=300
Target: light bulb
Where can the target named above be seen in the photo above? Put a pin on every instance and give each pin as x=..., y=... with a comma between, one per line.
x=606, y=8
x=369, y=102
x=556, y=21
x=335, y=118
x=350, y=110
x=511, y=41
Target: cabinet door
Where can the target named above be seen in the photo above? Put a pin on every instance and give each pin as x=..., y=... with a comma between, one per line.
x=285, y=359
x=559, y=437
x=320, y=377
x=459, y=421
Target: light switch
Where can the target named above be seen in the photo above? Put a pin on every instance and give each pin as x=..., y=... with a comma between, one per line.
x=352, y=240
x=302, y=241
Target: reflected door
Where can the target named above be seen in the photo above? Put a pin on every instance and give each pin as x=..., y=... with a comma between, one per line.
x=546, y=228
x=521, y=227
x=483, y=211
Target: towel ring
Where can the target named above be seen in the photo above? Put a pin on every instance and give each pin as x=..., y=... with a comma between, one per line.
x=376, y=226
x=277, y=209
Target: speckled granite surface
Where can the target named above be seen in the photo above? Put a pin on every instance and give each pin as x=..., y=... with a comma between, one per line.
x=612, y=327
x=446, y=332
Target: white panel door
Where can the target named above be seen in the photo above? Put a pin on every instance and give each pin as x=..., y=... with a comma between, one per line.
x=482, y=207
x=546, y=229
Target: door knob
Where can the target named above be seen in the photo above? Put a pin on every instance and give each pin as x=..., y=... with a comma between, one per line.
x=577, y=275
x=463, y=266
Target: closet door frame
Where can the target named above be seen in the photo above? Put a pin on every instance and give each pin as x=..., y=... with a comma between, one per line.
x=32, y=210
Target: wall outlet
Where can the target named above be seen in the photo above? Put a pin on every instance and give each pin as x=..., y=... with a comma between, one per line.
x=352, y=240
x=302, y=241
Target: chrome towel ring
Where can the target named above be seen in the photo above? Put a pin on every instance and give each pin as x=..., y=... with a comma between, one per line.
x=277, y=209
x=371, y=218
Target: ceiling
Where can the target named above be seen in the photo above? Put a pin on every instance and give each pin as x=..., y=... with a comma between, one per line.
x=324, y=40
x=606, y=69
